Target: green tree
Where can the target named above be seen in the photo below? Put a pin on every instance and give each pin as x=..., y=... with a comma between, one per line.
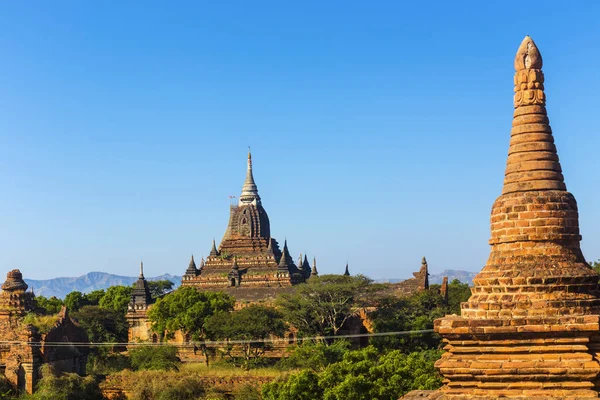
x=103, y=326
x=50, y=305
x=66, y=386
x=301, y=386
x=116, y=298
x=163, y=358
x=315, y=356
x=93, y=298
x=361, y=375
x=251, y=325
x=186, y=310
x=246, y=392
x=159, y=288
x=325, y=303
x=595, y=265
x=458, y=292
x=74, y=301
x=414, y=313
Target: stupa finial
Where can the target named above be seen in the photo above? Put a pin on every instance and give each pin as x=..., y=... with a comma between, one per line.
x=528, y=56
x=249, y=190
x=532, y=159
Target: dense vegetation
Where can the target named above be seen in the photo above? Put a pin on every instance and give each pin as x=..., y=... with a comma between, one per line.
x=322, y=365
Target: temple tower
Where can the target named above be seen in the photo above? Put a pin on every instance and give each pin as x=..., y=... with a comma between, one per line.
x=530, y=327
x=248, y=246
x=15, y=300
x=137, y=309
x=313, y=271
x=191, y=271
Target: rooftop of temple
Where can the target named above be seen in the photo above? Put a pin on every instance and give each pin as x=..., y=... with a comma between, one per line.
x=248, y=246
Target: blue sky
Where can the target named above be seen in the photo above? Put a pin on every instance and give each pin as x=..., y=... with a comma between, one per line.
x=379, y=131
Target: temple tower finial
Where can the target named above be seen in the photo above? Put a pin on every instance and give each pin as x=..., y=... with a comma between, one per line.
x=314, y=271
x=285, y=262
x=249, y=190
x=213, y=251
x=347, y=271
x=141, y=269
x=532, y=159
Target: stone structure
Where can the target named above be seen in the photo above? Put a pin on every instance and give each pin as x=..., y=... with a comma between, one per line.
x=419, y=282
x=137, y=309
x=25, y=348
x=444, y=289
x=248, y=257
x=531, y=327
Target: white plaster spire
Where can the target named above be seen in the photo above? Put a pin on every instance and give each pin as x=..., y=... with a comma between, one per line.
x=249, y=190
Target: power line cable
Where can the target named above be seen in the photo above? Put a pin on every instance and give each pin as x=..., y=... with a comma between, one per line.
x=211, y=342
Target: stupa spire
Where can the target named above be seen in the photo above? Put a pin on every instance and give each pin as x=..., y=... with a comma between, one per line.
x=286, y=260
x=314, y=271
x=532, y=160
x=213, y=251
x=347, y=271
x=191, y=269
x=141, y=269
x=249, y=190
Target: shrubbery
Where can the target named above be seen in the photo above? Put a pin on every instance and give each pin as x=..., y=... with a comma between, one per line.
x=162, y=358
x=361, y=375
x=65, y=387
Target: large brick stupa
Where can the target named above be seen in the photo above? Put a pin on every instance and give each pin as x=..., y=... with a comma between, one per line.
x=531, y=327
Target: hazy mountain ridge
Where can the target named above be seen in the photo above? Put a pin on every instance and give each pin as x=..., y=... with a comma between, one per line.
x=89, y=282
x=463, y=276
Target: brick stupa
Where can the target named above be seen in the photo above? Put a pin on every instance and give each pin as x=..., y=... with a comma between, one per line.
x=530, y=328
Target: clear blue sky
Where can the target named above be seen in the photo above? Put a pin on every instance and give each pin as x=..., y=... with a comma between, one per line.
x=379, y=130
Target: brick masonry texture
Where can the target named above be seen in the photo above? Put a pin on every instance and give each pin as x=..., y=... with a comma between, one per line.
x=531, y=326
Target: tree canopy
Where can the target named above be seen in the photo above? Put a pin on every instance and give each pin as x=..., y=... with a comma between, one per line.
x=361, y=375
x=163, y=358
x=116, y=298
x=415, y=313
x=50, y=305
x=186, y=309
x=159, y=288
x=325, y=303
x=253, y=323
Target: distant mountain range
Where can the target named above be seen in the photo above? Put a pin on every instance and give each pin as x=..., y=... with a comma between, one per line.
x=89, y=282
x=463, y=276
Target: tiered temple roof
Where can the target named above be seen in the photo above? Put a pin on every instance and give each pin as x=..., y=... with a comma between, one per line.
x=247, y=244
x=531, y=327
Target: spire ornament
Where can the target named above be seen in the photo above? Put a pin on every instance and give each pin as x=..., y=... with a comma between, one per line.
x=285, y=263
x=532, y=159
x=249, y=190
x=213, y=251
x=314, y=271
